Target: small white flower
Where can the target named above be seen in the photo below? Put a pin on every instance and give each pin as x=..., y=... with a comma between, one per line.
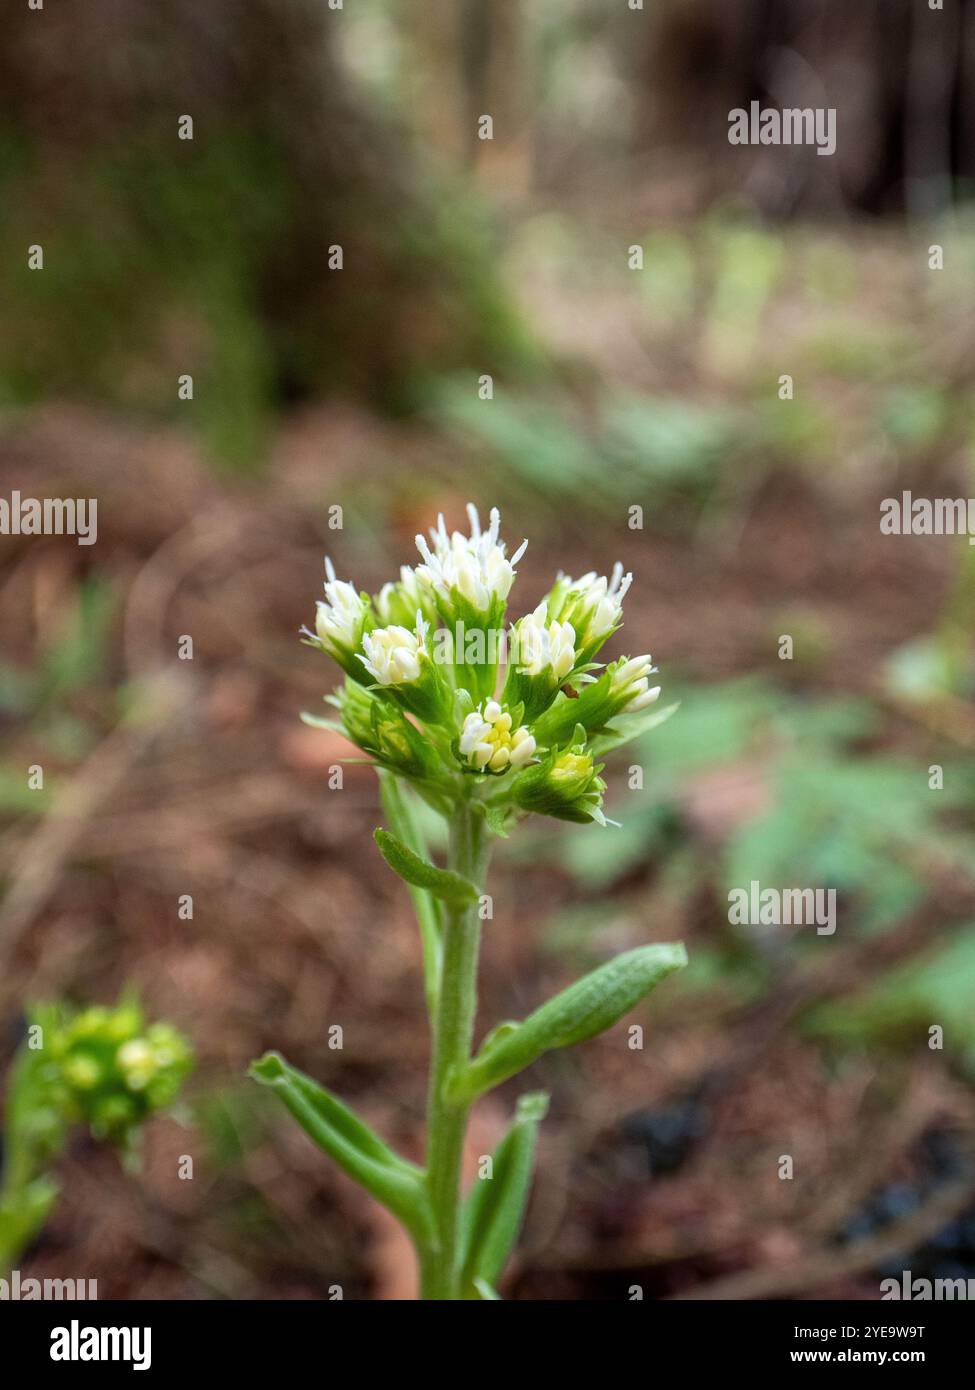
x=406, y=593
x=544, y=646
x=597, y=605
x=338, y=622
x=474, y=566
x=392, y=654
x=631, y=683
x=487, y=740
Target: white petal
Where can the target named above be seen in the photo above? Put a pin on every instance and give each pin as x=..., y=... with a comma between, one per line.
x=523, y=751
x=482, y=754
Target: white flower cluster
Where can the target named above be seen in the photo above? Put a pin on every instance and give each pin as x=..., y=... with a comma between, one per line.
x=474, y=567
x=487, y=740
x=428, y=700
x=392, y=654
x=544, y=646
x=339, y=619
x=600, y=600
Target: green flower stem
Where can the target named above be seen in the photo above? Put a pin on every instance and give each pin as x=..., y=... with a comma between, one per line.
x=453, y=1028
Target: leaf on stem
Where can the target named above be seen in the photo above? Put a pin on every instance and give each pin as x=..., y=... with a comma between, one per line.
x=588, y=1007
x=317, y=721
x=356, y=1148
x=425, y=904
x=23, y=1212
x=493, y=1212
x=499, y=819
x=444, y=883
x=626, y=727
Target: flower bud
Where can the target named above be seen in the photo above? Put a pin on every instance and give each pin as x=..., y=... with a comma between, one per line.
x=340, y=623
x=623, y=688
x=565, y=784
x=592, y=604
x=631, y=683
x=393, y=654
x=399, y=603
x=399, y=661
x=489, y=743
x=469, y=579
x=381, y=729
x=541, y=656
x=106, y=1068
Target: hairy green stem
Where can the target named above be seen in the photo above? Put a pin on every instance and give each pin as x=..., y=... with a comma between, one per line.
x=452, y=1033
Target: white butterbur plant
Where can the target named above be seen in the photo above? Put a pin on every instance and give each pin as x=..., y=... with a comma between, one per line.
x=425, y=702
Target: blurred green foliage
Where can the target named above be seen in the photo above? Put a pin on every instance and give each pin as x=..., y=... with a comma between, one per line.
x=206, y=257
x=669, y=451
x=935, y=988
x=73, y=656
x=822, y=809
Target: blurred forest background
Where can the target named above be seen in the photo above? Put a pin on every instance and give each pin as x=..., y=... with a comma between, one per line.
x=316, y=128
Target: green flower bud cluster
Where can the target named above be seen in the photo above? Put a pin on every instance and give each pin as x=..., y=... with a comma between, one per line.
x=423, y=663
x=106, y=1068
x=103, y=1067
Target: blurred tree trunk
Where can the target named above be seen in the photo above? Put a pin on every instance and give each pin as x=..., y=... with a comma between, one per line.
x=501, y=88
x=295, y=239
x=897, y=72
x=471, y=60
x=931, y=74
x=441, y=114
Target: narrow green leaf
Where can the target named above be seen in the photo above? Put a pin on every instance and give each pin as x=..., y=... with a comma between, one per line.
x=443, y=882
x=588, y=1007
x=318, y=721
x=273, y=1069
x=351, y=1143
x=23, y=1213
x=485, y=1293
x=36, y=1123
x=493, y=1211
x=401, y=818
x=626, y=727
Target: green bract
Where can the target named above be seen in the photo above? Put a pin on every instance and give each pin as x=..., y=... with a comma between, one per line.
x=424, y=662
x=379, y=726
